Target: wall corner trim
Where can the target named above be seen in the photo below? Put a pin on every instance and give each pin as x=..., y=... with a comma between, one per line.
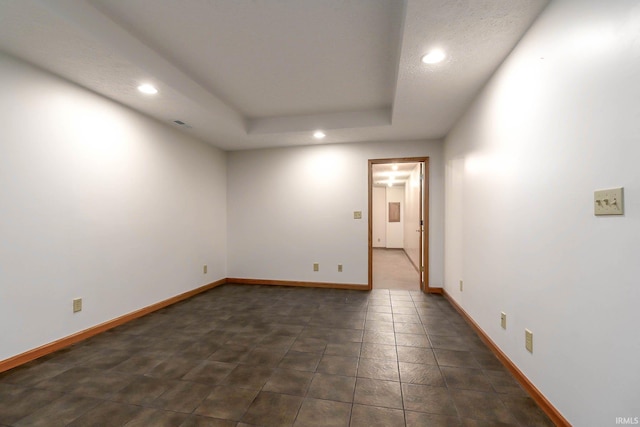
x=539, y=398
x=45, y=349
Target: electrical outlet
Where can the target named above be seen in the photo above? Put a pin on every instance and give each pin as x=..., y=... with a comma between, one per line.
x=77, y=305
x=316, y=266
x=204, y=269
x=528, y=340
x=460, y=285
x=339, y=268
x=503, y=320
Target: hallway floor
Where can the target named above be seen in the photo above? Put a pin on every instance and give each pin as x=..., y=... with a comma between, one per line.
x=241, y=355
x=393, y=270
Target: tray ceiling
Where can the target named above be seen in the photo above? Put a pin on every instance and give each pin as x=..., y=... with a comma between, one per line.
x=248, y=74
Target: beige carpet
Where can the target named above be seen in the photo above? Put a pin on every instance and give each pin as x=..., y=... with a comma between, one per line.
x=393, y=270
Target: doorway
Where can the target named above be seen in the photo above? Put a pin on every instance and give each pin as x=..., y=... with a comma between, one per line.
x=398, y=225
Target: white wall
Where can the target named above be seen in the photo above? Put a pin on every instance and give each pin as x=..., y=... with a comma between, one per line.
x=395, y=230
x=291, y=207
x=560, y=119
x=97, y=202
x=379, y=219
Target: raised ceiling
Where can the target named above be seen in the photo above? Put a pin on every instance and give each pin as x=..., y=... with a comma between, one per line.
x=248, y=74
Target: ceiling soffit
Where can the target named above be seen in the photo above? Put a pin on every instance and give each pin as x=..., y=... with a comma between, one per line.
x=259, y=73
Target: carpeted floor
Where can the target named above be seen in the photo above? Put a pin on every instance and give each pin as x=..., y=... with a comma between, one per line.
x=393, y=270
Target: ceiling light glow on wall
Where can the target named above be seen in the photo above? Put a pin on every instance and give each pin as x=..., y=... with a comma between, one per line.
x=433, y=57
x=319, y=134
x=148, y=89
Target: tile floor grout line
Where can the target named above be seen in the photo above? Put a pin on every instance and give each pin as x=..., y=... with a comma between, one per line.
x=248, y=319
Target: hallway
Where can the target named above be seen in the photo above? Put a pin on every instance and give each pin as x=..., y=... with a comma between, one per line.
x=393, y=270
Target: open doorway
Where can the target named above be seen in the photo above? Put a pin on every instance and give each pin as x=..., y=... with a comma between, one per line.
x=398, y=223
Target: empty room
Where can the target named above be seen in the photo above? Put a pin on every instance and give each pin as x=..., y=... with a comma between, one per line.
x=319, y=213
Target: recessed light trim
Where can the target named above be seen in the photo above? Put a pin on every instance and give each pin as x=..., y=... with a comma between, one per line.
x=434, y=57
x=319, y=134
x=147, y=89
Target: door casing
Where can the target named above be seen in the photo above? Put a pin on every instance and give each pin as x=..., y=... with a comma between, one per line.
x=424, y=241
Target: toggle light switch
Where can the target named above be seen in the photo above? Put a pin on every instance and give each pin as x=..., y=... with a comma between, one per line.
x=528, y=340
x=608, y=202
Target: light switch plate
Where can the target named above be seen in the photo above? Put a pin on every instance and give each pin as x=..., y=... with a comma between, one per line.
x=528, y=340
x=357, y=214
x=503, y=320
x=608, y=202
x=77, y=305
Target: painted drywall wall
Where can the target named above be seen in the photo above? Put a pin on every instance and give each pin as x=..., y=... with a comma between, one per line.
x=560, y=119
x=412, y=216
x=379, y=219
x=395, y=230
x=387, y=234
x=97, y=202
x=291, y=207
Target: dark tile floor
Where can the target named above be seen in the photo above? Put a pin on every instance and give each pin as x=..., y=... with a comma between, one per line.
x=243, y=355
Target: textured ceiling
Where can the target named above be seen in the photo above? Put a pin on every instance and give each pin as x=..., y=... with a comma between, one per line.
x=260, y=73
x=284, y=57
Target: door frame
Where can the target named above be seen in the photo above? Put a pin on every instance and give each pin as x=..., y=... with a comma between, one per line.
x=424, y=285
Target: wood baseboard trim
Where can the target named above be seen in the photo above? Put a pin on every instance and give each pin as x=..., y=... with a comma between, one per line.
x=43, y=350
x=324, y=285
x=437, y=291
x=540, y=399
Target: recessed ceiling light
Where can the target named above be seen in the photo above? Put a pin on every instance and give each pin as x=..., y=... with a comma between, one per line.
x=148, y=89
x=433, y=57
x=319, y=134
